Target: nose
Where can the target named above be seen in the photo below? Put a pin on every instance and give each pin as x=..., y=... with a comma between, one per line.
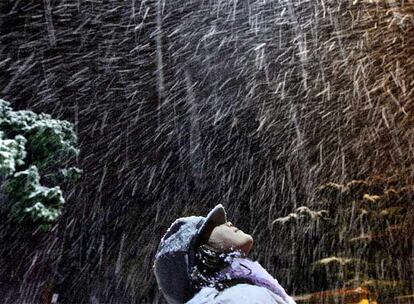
x=230, y=224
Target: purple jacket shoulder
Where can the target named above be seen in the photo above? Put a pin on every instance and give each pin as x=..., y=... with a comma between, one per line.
x=264, y=288
x=238, y=294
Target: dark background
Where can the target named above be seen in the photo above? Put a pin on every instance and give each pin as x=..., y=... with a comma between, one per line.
x=180, y=105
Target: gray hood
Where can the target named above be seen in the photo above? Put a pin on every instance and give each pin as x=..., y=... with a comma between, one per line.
x=175, y=256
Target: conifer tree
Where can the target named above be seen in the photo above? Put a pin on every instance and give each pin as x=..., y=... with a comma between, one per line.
x=35, y=148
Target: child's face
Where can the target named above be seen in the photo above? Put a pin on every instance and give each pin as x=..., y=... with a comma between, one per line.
x=227, y=238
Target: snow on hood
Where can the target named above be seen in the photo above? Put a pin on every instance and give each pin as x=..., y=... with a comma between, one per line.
x=175, y=258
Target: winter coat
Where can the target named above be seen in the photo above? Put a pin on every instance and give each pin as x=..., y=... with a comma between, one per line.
x=238, y=294
x=175, y=259
x=263, y=288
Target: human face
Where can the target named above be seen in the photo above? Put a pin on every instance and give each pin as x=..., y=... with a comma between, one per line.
x=227, y=238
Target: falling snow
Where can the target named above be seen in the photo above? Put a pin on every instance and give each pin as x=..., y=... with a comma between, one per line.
x=286, y=112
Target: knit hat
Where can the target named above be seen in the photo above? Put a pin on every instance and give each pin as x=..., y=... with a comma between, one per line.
x=175, y=256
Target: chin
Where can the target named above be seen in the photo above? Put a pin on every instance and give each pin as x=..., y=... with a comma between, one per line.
x=251, y=241
x=249, y=238
x=248, y=244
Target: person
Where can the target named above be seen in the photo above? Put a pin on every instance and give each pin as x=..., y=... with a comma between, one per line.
x=204, y=260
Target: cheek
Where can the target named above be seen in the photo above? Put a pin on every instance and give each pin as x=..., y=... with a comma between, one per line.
x=233, y=238
x=227, y=239
x=223, y=236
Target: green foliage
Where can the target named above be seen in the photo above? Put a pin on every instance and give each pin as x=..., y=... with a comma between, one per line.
x=12, y=154
x=52, y=141
x=39, y=142
x=32, y=200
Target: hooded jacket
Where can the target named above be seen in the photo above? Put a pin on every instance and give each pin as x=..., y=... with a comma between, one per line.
x=238, y=294
x=175, y=259
x=264, y=288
